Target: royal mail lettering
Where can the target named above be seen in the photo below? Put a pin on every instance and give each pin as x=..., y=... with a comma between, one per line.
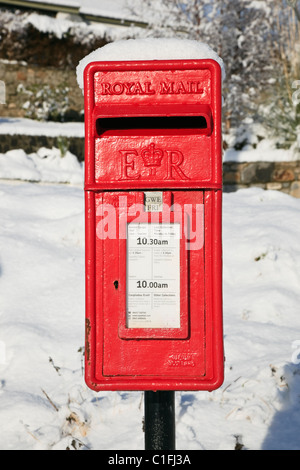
x=147, y=88
x=180, y=88
x=127, y=88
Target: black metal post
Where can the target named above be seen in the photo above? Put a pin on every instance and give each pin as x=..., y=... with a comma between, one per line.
x=159, y=420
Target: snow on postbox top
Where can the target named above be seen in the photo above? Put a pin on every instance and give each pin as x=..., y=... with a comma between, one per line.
x=152, y=114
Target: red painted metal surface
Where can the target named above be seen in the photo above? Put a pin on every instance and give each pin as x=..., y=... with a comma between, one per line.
x=153, y=126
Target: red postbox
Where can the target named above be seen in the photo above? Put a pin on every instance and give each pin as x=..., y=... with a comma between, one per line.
x=153, y=186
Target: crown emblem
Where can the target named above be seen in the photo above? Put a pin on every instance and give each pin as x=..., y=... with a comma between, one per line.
x=152, y=157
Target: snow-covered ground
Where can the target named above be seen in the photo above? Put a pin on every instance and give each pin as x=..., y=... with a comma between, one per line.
x=45, y=165
x=44, y=402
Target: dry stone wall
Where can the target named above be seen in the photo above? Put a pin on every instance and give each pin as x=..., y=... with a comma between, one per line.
x=281, y=176
x=39, y=92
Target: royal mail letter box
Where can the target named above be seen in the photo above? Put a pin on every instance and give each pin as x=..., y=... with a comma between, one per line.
x=153, y=186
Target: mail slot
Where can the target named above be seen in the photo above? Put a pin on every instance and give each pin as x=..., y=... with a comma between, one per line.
x=153, y=192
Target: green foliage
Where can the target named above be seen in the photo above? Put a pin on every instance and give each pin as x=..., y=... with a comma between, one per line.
x=63, y=145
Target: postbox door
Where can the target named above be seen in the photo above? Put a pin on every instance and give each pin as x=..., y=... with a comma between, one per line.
x=148, y=348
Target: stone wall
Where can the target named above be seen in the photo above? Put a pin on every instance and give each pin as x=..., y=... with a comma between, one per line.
x=281, y=176
x=40, y=92
x=32, y=143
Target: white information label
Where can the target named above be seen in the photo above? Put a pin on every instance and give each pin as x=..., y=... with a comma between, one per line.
x=153, y=275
